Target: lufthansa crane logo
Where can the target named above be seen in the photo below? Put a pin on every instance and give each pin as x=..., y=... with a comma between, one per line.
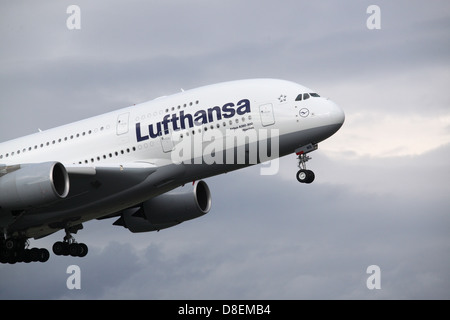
x=304, y=112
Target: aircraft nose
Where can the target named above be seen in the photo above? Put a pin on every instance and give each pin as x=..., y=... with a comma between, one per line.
x=333, y=117
x=337, y=115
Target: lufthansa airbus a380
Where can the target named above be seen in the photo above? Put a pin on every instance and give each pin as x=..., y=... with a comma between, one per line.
x=128, y=164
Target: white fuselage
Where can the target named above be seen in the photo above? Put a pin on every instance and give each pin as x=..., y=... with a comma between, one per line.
x=150, y=135
x=112, y=138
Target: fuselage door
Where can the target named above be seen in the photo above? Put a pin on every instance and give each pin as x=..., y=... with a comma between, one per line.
x=167, y=142
x=122, y=123
x=266, y=112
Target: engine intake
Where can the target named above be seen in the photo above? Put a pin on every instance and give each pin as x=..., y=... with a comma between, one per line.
x=34, y=185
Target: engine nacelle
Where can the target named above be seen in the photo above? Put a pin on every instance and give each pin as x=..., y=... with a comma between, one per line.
x=34, y=185
x=168, y=209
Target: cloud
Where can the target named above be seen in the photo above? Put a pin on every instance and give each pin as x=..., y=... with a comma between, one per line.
x=386, y=135
x=268, y=237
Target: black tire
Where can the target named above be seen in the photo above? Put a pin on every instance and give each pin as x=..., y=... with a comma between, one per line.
x=66, y=249
x=74, y=250
x=44, y=255
x=305, y=176
x=27, y=256
x=12, y=259
x=310, y=176
x=34, y=254
x=21, y=255
x=4, y=254
x=84, y=250
x=58, y=248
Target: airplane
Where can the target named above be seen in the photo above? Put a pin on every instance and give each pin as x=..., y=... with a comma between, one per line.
x=134, y=164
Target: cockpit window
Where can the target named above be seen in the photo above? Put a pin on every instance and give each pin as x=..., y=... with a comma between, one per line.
x=304, y=96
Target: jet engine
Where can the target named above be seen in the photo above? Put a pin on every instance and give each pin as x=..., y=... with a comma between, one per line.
x=33, y=185
x=168, y=209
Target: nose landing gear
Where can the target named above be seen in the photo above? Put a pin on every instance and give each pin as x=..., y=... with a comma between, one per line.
x=304, y=175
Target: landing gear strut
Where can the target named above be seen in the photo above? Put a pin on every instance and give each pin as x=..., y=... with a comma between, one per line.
x=69, y=247
x=304, y=175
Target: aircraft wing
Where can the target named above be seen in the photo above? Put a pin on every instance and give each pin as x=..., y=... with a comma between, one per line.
x=91, y=187
x=29, y=184
x=106, y=180
x=33, y=184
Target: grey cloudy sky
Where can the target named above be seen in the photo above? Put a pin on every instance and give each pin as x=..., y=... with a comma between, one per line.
x=381, y=190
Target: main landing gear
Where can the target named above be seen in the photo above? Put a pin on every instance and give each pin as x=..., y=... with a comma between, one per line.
x=304, y=175
x=69, y=247
x=16, y=250
x=13, y=250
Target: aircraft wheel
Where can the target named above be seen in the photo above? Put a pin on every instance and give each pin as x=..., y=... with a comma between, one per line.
x=10, y=244
x=311, y=176
x=74, y=249
x=78, y=250
x=84, y=250
x=34, y=254
x=44, y=255
x=4, y=255
x=305, y=176
x=58, y=248
x=301, y=176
